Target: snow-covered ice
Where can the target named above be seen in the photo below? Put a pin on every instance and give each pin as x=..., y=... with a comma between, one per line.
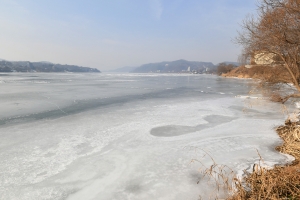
x=127, y=136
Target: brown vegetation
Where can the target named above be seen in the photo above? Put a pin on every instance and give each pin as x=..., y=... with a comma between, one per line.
x=219, y=176
x=279, y=183
x=275, y=74
x=282, y=182
x=275, y=31
x=224, y=68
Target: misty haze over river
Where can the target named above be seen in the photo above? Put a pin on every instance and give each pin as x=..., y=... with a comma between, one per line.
x=126, y=136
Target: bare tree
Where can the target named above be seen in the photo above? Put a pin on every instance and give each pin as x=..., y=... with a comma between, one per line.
x=276, y=31
x=224, y=68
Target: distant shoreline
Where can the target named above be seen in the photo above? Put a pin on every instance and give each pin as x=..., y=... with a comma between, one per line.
x=27, y=66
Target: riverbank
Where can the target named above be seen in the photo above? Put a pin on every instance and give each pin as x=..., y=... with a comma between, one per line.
x=280, y=182
x=274, y=73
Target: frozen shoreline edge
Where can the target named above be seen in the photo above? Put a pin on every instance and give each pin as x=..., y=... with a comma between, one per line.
x=262, y=165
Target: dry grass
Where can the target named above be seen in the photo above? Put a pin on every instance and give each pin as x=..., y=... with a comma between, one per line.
x=281, y=182
x=274, y=74
x=275, y=97
x=290, y=133
x=278, y=183
x=218, y=176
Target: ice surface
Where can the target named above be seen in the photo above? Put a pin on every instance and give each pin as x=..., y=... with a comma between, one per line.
x=175, y=130
x=104, y=136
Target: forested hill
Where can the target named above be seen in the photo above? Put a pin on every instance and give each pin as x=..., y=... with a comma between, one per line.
x=26, y=66
x=175, y=67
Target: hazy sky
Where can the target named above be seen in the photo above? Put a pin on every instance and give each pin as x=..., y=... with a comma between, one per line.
x=108, y=34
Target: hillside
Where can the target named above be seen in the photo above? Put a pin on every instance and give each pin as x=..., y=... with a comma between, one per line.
x=175, y=67
x=26, y=66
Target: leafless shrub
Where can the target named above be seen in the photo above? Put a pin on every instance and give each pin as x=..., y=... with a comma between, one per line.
x=225, y=68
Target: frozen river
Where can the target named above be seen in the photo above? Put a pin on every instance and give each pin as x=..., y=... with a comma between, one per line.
x=126, y=136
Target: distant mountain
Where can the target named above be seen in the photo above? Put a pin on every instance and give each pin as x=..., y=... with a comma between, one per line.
x=26, y=66
x=124, y=69
x=177, y=66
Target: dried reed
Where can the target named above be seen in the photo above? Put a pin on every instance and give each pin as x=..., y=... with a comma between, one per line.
x=220, y=177
x=281, y=182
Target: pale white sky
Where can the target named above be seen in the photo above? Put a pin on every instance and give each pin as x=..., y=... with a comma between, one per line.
x=116, y=33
